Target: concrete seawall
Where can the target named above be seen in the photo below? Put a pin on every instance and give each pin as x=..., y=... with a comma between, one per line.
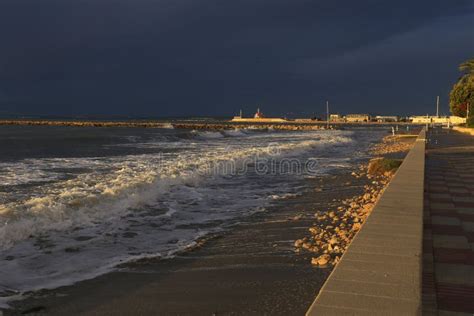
x=380, y=272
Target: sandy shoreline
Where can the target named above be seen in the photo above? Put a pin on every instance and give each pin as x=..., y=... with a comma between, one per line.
x=251, y=269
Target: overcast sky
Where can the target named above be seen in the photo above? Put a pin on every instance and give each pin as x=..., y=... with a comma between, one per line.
x=213, y=57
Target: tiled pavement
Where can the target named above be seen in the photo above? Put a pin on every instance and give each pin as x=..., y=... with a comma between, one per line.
x=448, y=247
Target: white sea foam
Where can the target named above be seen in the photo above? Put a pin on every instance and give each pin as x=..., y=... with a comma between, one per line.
x=235, y=133
x=117, y=185
x=284, y=196
x=207, y=134
x=92, y=213
x=166, y=126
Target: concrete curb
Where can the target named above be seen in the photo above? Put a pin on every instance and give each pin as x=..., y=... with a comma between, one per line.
x=380, y=272
x=464, y=130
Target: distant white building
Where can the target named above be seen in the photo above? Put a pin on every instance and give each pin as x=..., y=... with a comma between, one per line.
x=336, y=118
x=429, y=119
x=353, y=118
x=386, y=118
x=421, y=119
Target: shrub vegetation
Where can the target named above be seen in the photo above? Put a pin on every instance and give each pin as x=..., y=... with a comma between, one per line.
x=462, y=93
x=379, y=166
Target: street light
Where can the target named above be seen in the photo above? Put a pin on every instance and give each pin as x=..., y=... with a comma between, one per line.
x=467, y=113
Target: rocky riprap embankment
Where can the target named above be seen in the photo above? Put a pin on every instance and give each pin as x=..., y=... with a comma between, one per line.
x=261, y=126
x=334, y=229
x=392, y=144
x=85, y=123
x=180, y=125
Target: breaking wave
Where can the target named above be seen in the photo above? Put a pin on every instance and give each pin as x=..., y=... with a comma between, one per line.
x=68, y=219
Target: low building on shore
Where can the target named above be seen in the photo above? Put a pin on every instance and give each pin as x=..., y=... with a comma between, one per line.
x=421, y=119
x=336, y=118
x=386, y=118
x=442, y=120
x=357, y=118
x=457, y=120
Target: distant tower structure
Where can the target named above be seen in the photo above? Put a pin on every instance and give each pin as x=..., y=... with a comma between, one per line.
x=240, y=113
x=258, y=114
x=437, y=106
x=327, y=114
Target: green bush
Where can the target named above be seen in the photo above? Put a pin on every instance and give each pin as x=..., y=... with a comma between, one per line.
x=462, y=93
x=470, y=121
x=381, y=165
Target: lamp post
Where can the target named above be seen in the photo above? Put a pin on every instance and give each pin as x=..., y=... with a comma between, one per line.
x=437, y=106
x=467, y=112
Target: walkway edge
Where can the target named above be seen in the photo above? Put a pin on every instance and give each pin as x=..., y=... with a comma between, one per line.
x=465, y=130
x=380, y=272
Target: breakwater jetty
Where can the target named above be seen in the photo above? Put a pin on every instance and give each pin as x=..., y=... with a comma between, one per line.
x=80, y=123
x=220, y=125
x=275, y=126
x=200, y=125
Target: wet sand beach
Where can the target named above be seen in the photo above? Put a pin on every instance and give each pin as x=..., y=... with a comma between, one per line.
x=251, y=269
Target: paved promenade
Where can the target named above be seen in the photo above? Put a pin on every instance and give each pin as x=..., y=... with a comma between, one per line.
x=448, y=252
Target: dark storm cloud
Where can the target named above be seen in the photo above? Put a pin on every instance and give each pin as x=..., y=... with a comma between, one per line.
x=179, y=57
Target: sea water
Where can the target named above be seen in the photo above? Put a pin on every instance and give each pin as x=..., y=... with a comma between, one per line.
x=76, y=202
